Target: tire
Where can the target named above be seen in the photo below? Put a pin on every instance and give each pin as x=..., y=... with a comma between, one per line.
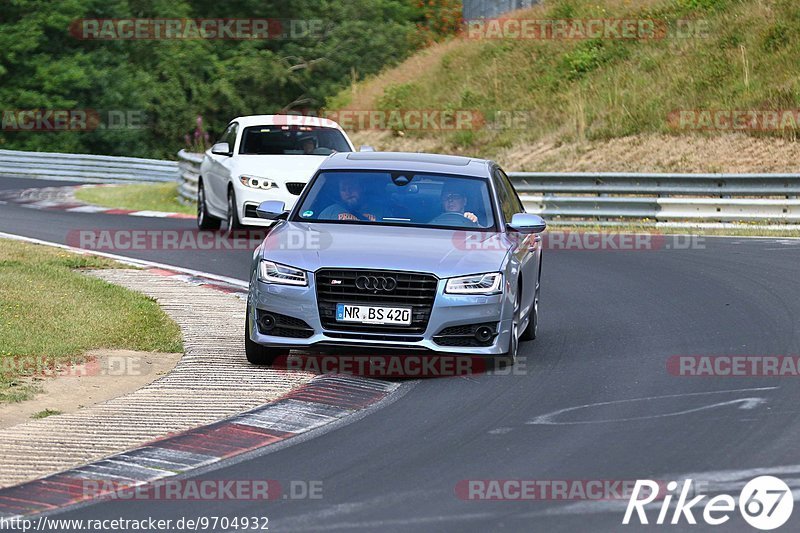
x=510, y=357
x=204, y=220
x=256, y=353
x=533, y=323
x=233, y=215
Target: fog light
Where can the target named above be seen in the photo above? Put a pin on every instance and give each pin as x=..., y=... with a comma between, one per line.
x=483, y=334
x=266, y=322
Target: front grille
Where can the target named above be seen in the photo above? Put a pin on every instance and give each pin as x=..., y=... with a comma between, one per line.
x=417, y=291
x=295, y=187
x=283, y=326
x=463, y=336
x=250, y=211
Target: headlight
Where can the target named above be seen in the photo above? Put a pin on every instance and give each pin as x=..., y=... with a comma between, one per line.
x=277, y=273
x=488, y=283
x=254, y=182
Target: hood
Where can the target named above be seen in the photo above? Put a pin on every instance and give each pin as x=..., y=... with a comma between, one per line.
x=445, y=253
x=286, y=167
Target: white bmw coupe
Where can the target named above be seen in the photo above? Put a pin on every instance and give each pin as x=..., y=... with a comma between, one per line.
x=260, y=158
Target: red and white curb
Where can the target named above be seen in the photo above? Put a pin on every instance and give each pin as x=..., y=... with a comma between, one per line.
x=194, y=277
x=63, y=199
x=201, y=280
x=323, y=400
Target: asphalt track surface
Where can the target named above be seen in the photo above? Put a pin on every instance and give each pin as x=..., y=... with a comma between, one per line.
x=610, y=320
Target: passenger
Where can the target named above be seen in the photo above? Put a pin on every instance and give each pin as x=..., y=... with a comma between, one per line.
x=351, y=203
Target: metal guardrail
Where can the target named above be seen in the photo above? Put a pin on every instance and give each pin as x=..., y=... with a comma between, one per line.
x=189, y=164
x=609, y=198
x=84, y=167
x=603, y=198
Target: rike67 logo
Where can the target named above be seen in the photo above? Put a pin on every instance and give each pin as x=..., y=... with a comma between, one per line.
x=765, y=503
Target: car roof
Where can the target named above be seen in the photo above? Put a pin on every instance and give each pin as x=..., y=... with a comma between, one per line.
x=285, y=120
x=408, y=162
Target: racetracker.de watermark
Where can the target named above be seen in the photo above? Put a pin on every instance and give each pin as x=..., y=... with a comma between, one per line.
x=629, y=29
x=49, y=120
x=734, y=119
x=48, y=366
x=113, y=240
x=121, y=240
x=199, y=490
x=402, y=365
x=545, y=489
x=589, y=241
x=234, y=29
x=408, y=119
x=728, y=366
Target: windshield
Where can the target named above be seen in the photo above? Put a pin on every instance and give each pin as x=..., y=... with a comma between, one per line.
x=398, y=198
x=292, y=140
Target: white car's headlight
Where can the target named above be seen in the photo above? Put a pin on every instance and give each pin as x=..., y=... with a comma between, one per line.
x=254, y=182
x=488, y=283
x=278, y=273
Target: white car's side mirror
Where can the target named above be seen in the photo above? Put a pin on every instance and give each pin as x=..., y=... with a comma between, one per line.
x=366, y=148
x=221, y=149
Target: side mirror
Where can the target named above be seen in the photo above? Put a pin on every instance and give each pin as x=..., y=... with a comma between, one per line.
x=366, y=148
x=221, y=149
x=527, y=223
x=271, y=210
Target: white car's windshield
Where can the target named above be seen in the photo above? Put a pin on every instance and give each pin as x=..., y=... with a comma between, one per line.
x=398, y=198
x=292, y=140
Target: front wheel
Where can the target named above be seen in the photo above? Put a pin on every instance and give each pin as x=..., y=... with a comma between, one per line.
x=204, y=220
x=256, y=353
x=533, y=322
x=510, y=357
x=233, y=215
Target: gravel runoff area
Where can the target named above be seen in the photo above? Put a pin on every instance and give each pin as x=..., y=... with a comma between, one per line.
x=213, y=380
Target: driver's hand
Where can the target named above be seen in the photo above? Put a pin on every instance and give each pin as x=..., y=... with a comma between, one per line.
x=471, y=217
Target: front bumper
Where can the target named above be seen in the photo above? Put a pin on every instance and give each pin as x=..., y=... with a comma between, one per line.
x=248, y=199
x=448, y=311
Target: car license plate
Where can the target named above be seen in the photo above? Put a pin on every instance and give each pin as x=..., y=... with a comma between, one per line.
x=368, y=314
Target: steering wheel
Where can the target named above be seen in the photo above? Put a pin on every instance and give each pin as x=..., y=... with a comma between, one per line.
x=452, y=218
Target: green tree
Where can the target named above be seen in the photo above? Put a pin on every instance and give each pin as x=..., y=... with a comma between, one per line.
x=44, y=66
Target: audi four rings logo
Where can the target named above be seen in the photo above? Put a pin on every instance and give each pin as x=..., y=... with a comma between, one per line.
x=375, y=283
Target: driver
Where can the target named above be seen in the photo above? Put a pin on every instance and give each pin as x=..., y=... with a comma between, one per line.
x=454, y=200
x=351, y=203
x=308, y=145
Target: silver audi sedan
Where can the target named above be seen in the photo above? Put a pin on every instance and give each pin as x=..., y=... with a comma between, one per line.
x=397, y=250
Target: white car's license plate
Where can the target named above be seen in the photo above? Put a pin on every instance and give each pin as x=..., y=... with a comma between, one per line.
x=368, y=314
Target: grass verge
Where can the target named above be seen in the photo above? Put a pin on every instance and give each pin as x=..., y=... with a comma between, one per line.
x=51, y=314
x=716, y=55
x=45, y=413
x=147, y=197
